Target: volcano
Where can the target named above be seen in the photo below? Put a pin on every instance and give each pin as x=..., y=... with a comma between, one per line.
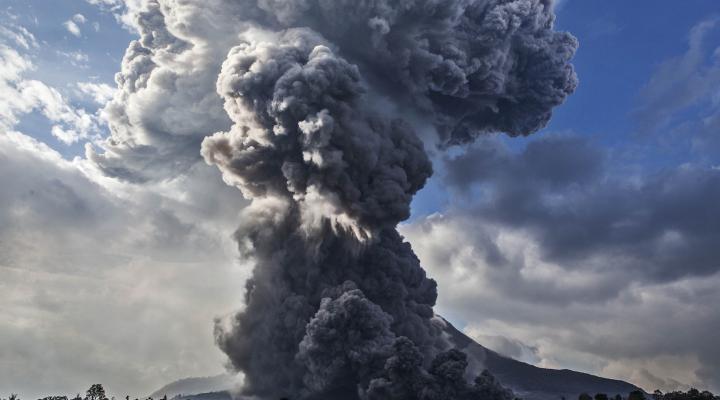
x=534, y=383
x=527, y=381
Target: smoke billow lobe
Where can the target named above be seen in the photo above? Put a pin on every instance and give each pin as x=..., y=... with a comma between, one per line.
x=338, y=305
x=477, y=66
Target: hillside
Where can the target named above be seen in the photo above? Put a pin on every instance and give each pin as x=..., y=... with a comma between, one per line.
x=533, y=383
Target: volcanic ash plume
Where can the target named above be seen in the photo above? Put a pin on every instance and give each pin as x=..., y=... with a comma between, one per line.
x=338, y=305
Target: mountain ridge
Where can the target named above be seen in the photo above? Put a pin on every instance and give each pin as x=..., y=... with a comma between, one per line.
x=535, y=383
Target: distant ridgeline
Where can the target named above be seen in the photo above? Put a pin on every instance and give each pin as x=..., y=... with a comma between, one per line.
x=97, y=392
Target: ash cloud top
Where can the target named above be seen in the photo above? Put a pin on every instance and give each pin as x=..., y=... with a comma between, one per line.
x=476, y=66
x=465, y=67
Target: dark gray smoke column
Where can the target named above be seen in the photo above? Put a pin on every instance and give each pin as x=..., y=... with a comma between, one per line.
x=338, y=305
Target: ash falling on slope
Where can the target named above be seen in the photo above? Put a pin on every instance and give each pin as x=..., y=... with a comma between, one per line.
x=338, y=305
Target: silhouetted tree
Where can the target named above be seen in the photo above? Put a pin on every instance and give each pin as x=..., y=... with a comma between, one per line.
x=96, y=392
x=584, y=396
x=692, y=394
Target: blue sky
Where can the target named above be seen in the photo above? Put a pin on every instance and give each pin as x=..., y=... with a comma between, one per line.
x=580, y=246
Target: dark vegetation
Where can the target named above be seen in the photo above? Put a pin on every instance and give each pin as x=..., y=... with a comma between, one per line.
x=443, y=378
x=486, y=385
x=692, y=394
x=96, y=392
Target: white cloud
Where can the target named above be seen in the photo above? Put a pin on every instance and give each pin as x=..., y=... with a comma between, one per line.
x=19, y=96
x=72, y=27
x=128, y=276
x=71, y=124
x=547, y=315
x=79, y=18
x=73, y=24
x=76, y=58
x=101, y=93
x=167, y=101
x=106, y=283
x=18, y=35
x=110, y=3
x=124, y=11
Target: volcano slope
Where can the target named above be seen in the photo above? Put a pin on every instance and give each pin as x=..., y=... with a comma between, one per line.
x=527, y=381
x=533, y=383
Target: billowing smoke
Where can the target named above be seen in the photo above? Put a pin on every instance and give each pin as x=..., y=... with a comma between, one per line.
x=476, y=66
x=329, y=179
x=338, y=305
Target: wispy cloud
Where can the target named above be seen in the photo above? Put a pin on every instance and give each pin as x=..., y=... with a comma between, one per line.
x=76, y=58
x=19, y=96
x=19, y=36
x=73, y=25
x=101, y=93
x=681, y=82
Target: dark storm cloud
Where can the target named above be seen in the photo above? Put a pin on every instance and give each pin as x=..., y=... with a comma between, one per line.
x=659, y=227
x=553, y=162
x=598, y=268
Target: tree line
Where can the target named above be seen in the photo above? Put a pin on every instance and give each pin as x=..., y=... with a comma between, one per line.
x=692, y=394
x=97, y=392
